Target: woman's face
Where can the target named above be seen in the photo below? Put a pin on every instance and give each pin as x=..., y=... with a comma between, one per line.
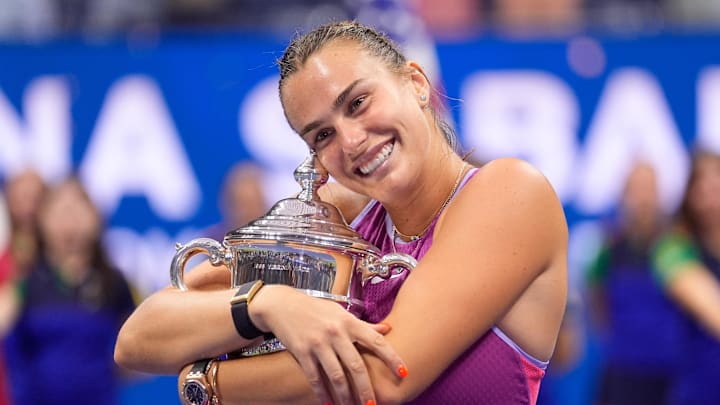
x=24, y=193
x=366, y=122
x=704, y=193
x=69, y=223
x=640, y=199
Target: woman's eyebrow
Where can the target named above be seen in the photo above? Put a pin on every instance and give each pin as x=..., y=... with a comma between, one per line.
x=339, y=100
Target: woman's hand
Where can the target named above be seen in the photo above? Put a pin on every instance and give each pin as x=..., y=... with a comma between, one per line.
x=321, y=335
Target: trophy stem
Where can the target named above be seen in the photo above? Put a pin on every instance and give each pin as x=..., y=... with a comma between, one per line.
x=311, y=175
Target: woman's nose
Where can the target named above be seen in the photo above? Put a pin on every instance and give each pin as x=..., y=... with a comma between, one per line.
x=353, y=140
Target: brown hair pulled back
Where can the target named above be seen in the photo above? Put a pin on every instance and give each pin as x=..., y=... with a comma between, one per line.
x=372, y=41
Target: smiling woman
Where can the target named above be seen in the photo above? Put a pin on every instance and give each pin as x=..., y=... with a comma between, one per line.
x=477, y=319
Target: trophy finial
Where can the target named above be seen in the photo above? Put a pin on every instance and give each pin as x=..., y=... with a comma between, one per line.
x=310, y=175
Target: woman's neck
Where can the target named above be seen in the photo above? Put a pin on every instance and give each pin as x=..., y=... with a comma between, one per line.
x=413, y=216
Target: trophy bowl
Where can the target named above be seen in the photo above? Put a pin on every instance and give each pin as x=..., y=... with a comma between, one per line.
x=301, y=242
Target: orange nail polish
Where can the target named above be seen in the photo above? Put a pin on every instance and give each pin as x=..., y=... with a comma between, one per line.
x=402, y=371
x=387, y=325
x=370, y=402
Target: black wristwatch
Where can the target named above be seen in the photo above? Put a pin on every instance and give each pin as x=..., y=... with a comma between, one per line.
x=239, y=309
x=197, y=389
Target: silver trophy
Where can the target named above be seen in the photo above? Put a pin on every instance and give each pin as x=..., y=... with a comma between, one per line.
x=302, y=242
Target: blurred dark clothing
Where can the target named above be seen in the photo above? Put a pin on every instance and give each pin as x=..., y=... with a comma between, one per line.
x=4, y=394
x=698, y=381
x=643, y=332
x=61, y=349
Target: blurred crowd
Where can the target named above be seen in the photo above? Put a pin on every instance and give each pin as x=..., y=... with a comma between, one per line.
x=444, y=18
x=62, y=301
x=653, y=293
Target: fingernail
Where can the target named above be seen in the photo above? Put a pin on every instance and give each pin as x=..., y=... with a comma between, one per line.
x=370, y=402
x=385, y=324
x=402, y=371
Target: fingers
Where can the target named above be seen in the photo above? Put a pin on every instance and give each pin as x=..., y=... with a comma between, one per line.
x=336, y=374
x=382, y=327
x=310, y=368
x=376, y=343
x=356, y=369
x=348, y=379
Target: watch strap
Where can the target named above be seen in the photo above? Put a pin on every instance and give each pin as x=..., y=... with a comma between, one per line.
x=199, y=368
x=239, y=310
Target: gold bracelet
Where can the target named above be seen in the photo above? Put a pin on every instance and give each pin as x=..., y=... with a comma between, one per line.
x=215, y=400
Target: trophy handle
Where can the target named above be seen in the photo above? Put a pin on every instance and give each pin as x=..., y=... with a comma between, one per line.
x=217, y=255
x=389, y=261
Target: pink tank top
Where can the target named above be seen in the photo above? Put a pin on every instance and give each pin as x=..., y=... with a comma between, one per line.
x=493, y=370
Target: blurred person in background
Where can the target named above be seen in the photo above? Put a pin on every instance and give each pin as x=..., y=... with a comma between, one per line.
x=640, y=328
x=71, y=304
x=688, y=263
x=242, y=199
x=627, y=15
x=23, y=192
x=450, y=19
x=537, y=15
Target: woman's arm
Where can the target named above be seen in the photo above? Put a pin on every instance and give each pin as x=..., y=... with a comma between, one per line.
x=686, y=280
x=696, y=290
x=172, y=328
x=9, y=306
x=269, y=379
x=323, y=362
x=499, y=257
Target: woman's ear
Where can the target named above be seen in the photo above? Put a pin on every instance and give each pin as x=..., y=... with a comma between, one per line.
x=420, y=83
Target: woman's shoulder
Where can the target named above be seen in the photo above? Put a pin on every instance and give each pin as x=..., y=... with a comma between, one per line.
x=509, y=193
x=510, y=174
x=347, y=201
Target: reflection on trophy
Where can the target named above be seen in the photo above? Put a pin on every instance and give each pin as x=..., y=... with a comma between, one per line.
x=302, y=242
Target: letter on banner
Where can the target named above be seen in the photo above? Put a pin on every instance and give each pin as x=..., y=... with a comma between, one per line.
x=527, y=114
x=42, y=139
x=708, y=90
x=136, y=150
x=632, y=123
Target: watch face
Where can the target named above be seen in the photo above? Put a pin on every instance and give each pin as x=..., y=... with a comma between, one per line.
x=195, y=393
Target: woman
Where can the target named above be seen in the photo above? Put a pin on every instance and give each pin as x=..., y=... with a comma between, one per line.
x=72, y=304
x=478, y=317
x=688, y=261
x=24, y=192
x=641, y=327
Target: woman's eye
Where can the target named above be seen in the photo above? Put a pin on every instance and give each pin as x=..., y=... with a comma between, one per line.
x=321, y=136
x=356, y=103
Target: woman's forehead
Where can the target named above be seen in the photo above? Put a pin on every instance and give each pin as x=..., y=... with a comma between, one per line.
x=326, y=74
x=339, y=58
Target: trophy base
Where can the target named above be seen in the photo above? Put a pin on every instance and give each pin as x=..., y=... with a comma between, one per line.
x=268, y=346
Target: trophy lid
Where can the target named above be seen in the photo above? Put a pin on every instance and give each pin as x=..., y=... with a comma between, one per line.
x=304, y=220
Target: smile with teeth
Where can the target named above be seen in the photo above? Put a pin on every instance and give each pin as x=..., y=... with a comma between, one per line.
x=378, y=160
